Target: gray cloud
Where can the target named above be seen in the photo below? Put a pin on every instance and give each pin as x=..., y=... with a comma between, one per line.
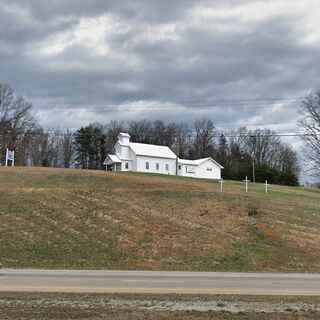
x=183, y=53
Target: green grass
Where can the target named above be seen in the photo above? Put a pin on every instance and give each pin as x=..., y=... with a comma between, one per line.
x=59, y=218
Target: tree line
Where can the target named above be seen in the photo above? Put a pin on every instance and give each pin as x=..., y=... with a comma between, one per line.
x=237, y=150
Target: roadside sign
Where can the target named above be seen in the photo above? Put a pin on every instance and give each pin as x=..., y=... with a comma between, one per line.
x=10, y=157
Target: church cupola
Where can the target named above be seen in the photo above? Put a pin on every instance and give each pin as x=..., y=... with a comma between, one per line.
x=124, y=138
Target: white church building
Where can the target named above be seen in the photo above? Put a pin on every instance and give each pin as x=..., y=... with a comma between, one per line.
x=141, y=157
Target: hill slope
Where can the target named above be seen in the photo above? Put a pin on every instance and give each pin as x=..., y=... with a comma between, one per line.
x=56, y=218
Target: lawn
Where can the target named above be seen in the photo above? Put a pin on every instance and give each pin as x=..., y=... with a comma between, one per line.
x=63, y=218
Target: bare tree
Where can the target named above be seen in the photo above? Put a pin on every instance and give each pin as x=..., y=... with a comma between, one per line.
x=310, y=125
x=141, y=131
x=183, y=138
x=263, y=145
x=16, y=121
x=203, y=142
x=43, y=149
x=37, y=148
x=112, y=130
x=6, y=101
x=159, y=133
x=67, y=149
x=239, y=137
x=223, y=152
x=286, y=160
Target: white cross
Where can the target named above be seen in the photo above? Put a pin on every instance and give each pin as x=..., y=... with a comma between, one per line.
x=266, y=186
x=246, y=181
x=221, y=182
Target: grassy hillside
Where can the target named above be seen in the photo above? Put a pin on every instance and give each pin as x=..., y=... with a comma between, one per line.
x=55, y=218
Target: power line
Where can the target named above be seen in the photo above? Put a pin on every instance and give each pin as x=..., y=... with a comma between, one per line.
x=189, y=136
x=216, y=134
x=185, y=102
x=253, y=124
x=156, y=107
x=213, y=103
x=217, y=125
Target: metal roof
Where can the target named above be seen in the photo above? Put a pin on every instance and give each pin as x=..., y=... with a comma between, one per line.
x=151, y=150
x=123, y=134
x=188, y=162
x=113, y=158
x=198, y=162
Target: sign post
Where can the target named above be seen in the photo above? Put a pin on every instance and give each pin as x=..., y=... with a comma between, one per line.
x=246, y=181
x=9, y=157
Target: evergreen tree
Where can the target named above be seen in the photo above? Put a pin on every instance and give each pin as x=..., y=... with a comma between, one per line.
x=90, y=144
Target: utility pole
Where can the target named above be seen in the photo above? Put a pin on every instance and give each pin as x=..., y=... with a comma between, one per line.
x=177, y=164
x=253, y=169
x=253, y=172
x=177, y=154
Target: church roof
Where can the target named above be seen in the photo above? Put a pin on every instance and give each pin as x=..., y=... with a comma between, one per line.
x=152, y=150
x=113, y=158
x=198, y=162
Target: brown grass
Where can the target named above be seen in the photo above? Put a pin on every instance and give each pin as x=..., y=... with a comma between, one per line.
x=59, y=218
x=158, y=307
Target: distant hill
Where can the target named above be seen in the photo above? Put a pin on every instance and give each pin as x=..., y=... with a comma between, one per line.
x=63, y=218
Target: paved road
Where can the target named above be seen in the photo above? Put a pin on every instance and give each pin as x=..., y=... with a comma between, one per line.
x=159, y=282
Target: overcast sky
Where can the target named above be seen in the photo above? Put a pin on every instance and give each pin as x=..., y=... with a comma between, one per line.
x=170, y=60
